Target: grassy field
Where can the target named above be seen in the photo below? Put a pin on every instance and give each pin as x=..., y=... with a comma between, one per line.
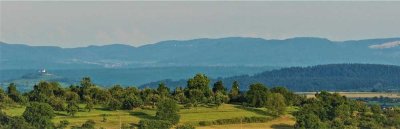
x=357, y=94
x=284, y=122
x=192, y=116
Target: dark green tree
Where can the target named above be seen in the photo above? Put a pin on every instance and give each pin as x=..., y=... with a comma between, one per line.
x=256, y=96
x=63, y=124
x=219, y=87
x=276, y=104
x=199, y=82
x=72, y=108
x=234, y=92
x=163, y=90
x=39, y=115
x=179, y=95
x=131, y=102
x=89, y=104
x=114, y=104
x=16, y=122
x=14, y=94
x=56, y=103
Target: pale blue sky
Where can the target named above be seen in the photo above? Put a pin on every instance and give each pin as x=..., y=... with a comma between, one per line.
x=73, y=24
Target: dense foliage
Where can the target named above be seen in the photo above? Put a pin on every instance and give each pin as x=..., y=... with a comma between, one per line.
x=324, y=111
x=332, y=111
x=154, y=124
x=47, y=97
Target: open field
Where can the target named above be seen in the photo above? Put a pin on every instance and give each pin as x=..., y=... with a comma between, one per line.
x=357, y=94
x=192, y=116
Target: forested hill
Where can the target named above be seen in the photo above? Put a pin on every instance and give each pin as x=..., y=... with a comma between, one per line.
x=231, y=51
x=332, y=77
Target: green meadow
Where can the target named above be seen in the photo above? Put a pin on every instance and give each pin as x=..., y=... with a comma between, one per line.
x=114, y=119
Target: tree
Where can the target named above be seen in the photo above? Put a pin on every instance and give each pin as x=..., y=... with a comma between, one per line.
x=234, y=93
x=100, y=95
x=219, y=87
x=86, y=85
x=56, y=103
x=14, y=94
x=220, y=98
x=167, y=110
x=89, y=124
x=4, y=99
x=195, y=96
x=71, y=96
x=114, y=104
x=89, y=105
x=131, y=102
x=63, y=124
x=276, y=104
x=179, y=95
x=199, y=82
x=256, y=96
x=163, y=90
x=117, y=92
x=16, y=122
x=310, y=121
x=72, y=108
x=39, y=115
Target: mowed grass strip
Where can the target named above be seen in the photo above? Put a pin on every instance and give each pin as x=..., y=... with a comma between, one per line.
x=115, y=118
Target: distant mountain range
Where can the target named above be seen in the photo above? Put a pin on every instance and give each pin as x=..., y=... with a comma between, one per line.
x=332, y=77
x=233, y=51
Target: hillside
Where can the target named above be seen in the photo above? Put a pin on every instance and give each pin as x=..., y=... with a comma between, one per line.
x=233, y=51
x=332, y=77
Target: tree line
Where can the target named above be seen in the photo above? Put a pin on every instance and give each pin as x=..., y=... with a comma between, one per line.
x=326, y=110
x=47, y=97
x=331, y=77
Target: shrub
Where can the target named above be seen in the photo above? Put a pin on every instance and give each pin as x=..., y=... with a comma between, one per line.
x=235, y=121
x=185, y=126
x=154, y=124
x=205, y=123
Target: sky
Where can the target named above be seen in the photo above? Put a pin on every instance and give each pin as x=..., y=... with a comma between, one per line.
x=77, y=24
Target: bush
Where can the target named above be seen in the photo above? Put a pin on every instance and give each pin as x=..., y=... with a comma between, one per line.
x=154, y=124
x=205, y=123
x=89, y=124
x=167, y=109
x=235, y=121
x=185, y=126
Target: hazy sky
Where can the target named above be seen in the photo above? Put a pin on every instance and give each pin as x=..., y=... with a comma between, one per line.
x=72, y=24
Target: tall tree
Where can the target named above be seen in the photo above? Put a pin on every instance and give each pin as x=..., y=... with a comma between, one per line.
x=276, y=104
x=72, y=108
x=256, y=96
x=163, y=90
x=219, y=87
x=198, y=88
x=14, y=94
x=234, y=93
x=86, y=85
